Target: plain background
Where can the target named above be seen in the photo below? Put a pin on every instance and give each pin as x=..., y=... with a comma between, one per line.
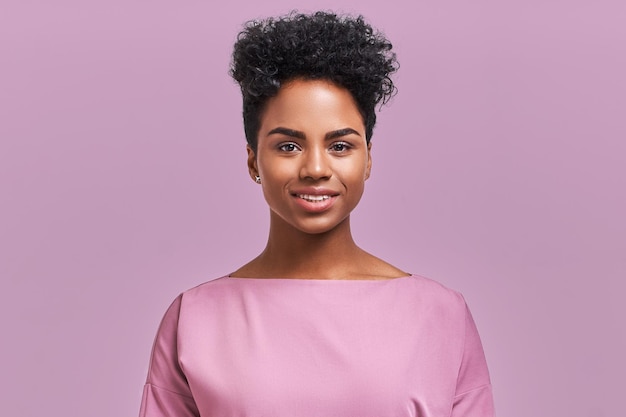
x=499, y=170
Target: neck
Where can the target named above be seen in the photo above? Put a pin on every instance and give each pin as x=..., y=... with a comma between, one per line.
x=293, y=253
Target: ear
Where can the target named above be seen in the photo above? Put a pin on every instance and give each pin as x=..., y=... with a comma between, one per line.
x=368, y=168
x=253, y=169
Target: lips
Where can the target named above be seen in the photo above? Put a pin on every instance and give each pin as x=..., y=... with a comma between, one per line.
x=315, y=199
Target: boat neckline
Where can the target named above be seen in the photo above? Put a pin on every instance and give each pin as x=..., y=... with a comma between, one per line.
x=409, y=275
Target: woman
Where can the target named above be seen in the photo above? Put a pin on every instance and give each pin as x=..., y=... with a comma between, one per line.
x=315, y=326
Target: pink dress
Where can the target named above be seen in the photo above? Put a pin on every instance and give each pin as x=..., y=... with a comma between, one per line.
x=256, y=347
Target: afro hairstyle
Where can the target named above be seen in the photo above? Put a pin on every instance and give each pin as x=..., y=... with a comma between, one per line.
x=342, y=49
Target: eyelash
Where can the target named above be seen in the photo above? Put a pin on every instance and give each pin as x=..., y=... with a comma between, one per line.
x=333, y=147
x=281, y=146
x=346, y=146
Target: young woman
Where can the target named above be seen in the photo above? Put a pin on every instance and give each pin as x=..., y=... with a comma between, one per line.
x=315, y=326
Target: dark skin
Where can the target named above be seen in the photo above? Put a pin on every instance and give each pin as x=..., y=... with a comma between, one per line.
x=313, y=161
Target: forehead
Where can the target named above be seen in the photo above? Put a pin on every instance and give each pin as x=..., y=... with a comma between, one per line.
x=310, y=103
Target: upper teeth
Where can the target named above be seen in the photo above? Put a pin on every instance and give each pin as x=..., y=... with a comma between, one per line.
x=309, y=197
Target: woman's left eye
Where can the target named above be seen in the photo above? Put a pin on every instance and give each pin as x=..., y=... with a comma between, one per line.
x=340, y=147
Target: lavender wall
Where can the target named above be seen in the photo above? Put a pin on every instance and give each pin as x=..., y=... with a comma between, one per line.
x=499, y=170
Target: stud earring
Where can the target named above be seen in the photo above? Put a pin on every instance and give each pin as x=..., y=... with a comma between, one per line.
x=257, y=179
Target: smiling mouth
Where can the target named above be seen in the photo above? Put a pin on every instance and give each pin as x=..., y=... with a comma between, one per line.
x=313, y=198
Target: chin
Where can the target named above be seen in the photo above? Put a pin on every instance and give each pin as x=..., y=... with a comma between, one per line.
x=319, y=226
x=309, y=224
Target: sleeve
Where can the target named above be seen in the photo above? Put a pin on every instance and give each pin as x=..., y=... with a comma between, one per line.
x=473, y=397
x=166, y=392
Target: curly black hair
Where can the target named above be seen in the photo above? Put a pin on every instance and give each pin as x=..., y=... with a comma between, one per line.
x=342, y=49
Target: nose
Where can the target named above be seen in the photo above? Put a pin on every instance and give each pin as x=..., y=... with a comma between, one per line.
x=315, y=164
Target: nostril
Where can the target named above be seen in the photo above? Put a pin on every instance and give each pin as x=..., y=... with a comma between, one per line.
x=316, y=166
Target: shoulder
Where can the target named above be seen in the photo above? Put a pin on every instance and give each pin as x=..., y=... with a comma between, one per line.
x=210, y=293
x=431, y=302
x=194, y=295
x=434, y=291
x=206, y=288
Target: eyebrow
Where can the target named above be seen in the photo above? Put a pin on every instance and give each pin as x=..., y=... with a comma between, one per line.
x=300, y=135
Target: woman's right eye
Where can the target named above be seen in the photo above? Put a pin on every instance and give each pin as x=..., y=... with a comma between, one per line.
x=288, y=147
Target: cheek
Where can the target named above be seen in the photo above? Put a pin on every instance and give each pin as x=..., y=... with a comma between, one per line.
x=275, y=174
x=274, y=171
x=353, y=171
x=353, y=176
